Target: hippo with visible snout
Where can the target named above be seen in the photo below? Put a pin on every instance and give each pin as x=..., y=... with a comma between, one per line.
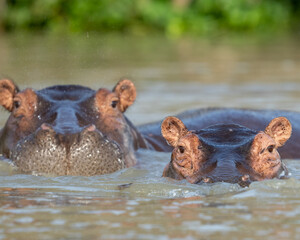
x=225, y=152
x=69, y=129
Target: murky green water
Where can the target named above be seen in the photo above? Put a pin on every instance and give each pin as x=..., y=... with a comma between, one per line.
x=171, y=76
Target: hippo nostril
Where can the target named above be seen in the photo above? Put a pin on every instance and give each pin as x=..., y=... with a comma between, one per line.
x=207, y=180
x=245, y=178
x=90, y=128
x=244, y=181
x=46, y=126
x=44, y=134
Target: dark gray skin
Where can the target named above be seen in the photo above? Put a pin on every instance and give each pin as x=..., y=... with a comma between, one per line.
x=225, y=152
x=253, y=119
x=69, y=130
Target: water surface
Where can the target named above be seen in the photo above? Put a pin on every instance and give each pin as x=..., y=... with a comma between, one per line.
x=171, y=76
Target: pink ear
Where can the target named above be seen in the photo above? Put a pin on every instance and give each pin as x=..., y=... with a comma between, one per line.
x=172, y=130
x=126, y=92
x=7, y=92
x=280, y=129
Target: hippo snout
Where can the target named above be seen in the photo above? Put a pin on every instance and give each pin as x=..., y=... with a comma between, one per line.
x=243, y=180
x=52, y=150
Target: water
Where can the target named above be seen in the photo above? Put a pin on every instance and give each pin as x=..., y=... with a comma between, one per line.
x=171, y=76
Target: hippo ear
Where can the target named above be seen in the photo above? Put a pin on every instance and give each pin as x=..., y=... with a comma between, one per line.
x=172, y=130
x=126, y=92
x=7, y=92
x=280, y=129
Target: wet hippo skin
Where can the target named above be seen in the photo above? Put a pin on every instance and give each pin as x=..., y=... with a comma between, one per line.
x=69, y=129
x=253, y=119
x=225, y=152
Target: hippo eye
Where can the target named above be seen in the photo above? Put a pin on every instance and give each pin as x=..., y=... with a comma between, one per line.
x=17, y=104
x=181, y=149
x=271, y=148
x=114, y=103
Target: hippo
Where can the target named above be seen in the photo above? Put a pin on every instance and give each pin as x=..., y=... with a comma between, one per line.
x=225, y=152
x=250, y=118
x=69, y=129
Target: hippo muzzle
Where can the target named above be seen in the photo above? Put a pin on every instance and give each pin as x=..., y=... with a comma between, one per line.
x=86, y=153
x=236, y=176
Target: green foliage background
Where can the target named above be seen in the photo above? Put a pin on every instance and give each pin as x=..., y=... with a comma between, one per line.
x=172, y=17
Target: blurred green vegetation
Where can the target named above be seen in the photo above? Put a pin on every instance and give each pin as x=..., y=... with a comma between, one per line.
x=172, y=17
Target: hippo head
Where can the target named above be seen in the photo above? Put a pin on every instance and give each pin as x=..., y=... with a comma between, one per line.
x=68, y=129
x=225, y=153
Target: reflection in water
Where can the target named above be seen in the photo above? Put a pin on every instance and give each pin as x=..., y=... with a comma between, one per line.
x=248, y=214
x=171, y=76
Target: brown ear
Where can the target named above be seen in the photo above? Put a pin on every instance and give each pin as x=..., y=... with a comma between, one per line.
x=126, y=92
x=280, y=129
x=172, y=129
x=7, y=92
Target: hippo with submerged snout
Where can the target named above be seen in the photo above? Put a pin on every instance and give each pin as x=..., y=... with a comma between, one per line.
x=69, y=129
x=225, y=152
